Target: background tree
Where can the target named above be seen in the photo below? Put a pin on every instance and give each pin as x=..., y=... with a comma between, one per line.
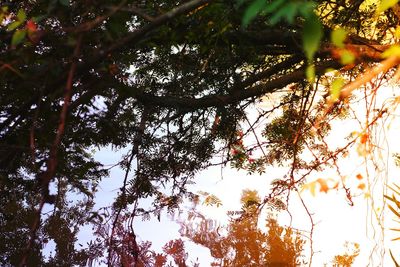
x=173, y=81
x=242, y=242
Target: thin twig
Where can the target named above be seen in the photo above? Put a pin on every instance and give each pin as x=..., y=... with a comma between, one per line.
x=89, y=25
x=134, y=152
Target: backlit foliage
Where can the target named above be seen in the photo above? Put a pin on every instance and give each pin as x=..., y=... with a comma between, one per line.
x=242, y=242
x=347, y=259
x=173, y=87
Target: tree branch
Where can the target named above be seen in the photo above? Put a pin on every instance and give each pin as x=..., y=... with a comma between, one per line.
x=45, y=178
x=240, y=93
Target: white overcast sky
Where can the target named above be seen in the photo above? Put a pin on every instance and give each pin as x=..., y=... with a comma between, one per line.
x=336, y=221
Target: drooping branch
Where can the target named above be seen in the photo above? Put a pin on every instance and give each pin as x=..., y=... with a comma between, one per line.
x=45, y=178
x=134, y=153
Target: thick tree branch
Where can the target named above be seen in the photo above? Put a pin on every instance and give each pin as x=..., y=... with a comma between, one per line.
x=223, y=100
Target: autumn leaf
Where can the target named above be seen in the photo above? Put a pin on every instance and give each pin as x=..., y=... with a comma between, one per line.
x=249, y=197
x=31, y=26
x=336, y=87
x=361, y=186
x=359, y=176
x=323, y=185
x=336, y=186
x=212, y=200
x=364, y=138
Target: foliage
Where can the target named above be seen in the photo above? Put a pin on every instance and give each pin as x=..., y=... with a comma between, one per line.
x=394, y=209
x=173, y=82
x=347, y=259
x=242, y=242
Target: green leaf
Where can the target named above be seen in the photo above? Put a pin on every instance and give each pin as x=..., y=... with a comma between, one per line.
x=18, y=37
x=3, y=13
x=338, y=36
x=310, y=73
x=347, y=57
x=21, y=15
x=272, y=7
x=287, y=11
x=385, y=5
x=252, y=11
x=12, y=26
x=306, y=9
x=336, y=87
x=312, y=34
x=240, y=2
x=291, y=11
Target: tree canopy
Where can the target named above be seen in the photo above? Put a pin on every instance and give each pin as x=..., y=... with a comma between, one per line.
x=177, y=83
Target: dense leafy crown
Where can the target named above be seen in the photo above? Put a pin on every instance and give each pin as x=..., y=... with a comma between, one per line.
x=172, y=81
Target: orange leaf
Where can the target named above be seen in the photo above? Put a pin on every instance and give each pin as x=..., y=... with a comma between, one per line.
x=359, y=177
x=364, y=138
x=361, y=186
x=336, y=186
x=324, y=185
x=31, y=26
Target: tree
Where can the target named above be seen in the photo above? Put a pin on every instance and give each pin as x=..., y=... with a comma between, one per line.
x=173, y=81
x=242, y=242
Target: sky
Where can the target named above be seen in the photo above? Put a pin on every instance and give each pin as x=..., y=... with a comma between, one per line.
x=336, y=221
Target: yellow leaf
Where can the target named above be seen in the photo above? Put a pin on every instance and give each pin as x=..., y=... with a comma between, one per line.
x=336, y=87
x=397, y=32
x=338, y=36
x=330, y=70
x=249, y=197
x=347, y=57
x=362, y=150
x=394, y=50
x=385, y=5
x=212, y=200
x=310, y=186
